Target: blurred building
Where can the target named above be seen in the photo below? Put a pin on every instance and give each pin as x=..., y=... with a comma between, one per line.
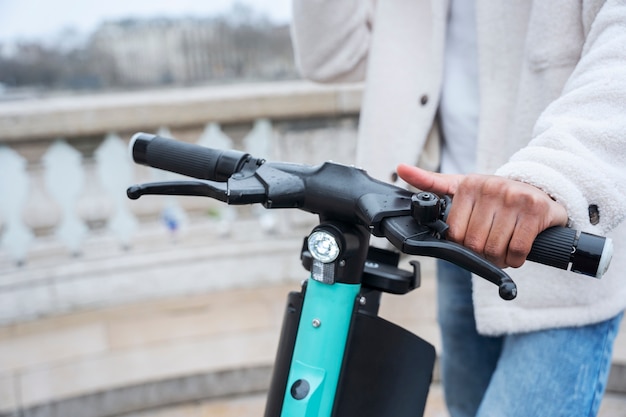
x=189, y=51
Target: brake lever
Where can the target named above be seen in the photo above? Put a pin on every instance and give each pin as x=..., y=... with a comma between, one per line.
x=201, y=188
x=415, y=239
x=246, y=190
x=465, y=258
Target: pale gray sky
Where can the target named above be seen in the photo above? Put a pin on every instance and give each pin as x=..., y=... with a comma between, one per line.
x=28, y=19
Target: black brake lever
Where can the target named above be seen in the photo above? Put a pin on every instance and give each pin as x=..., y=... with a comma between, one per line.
x=415, y=239
x=201, y=188
x=265, y=185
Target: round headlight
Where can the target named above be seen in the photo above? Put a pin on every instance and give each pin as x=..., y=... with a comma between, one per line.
x=323, y=246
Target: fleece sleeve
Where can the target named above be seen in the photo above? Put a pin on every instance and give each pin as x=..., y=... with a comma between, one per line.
x=578, y=151
x=331, y=38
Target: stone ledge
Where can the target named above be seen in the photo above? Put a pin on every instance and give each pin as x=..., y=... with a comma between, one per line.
x=244, y=381
x=99, y=114
x=44, y=289
x=134, y=331
x=191, y=388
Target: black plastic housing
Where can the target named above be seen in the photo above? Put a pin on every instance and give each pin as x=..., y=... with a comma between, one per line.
x=284, y=353
x=387, y=371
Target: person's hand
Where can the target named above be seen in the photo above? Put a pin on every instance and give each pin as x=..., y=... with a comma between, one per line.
x=496, y=217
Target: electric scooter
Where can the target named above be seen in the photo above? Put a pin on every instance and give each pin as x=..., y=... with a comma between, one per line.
x=336, y=357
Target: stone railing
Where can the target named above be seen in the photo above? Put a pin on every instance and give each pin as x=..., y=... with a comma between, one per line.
x=65, y=168
x=95, y=289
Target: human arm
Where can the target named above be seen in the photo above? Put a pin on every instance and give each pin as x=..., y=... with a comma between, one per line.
x=576, y=161
x=578, y=151
x=331, y=38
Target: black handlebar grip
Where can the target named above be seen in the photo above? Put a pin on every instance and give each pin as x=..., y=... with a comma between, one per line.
x=185, y=158
x=572, y=250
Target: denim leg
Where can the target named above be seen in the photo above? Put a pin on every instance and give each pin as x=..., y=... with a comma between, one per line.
x=552, y=373
x=467, y=358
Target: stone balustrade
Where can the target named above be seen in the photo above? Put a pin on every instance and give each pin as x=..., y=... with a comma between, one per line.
x=78, y=259
x=65, y=168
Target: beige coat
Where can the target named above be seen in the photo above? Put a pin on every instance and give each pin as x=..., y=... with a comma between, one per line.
x=552, y=80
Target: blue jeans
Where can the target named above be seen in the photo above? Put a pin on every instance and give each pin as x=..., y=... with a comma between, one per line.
x=558, y=372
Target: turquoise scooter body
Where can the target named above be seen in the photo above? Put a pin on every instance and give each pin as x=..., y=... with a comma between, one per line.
x=319, y=349
x=338, y=358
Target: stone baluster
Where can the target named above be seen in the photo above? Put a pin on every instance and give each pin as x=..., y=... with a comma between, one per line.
x=64, y=178
x=260, y=140
x=15, y=236
x=114, y=170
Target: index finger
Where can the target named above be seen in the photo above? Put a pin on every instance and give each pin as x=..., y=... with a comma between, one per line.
x=429, y=181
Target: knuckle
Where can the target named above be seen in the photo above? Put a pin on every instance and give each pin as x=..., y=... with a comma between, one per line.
x=475, y=244
x=492, y=251
x=517, y=252
x=515, y=262
x=455, y=232
x=454, y=236
x=529, y=202
x=492, y=185
x=517, y=247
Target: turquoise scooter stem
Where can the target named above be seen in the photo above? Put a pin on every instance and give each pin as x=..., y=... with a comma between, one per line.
x=319, y=349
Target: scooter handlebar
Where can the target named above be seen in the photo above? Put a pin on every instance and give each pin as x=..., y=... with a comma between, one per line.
x=185, y=158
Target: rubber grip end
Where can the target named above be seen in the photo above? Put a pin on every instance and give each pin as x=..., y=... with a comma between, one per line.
x=605, y=258
x=138, y=147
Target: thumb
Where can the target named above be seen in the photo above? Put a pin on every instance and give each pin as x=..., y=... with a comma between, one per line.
x=429, y=181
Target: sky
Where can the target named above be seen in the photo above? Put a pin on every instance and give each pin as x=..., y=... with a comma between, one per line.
x=38, y=19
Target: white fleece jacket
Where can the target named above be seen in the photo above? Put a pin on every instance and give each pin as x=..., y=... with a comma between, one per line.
x=553, y=113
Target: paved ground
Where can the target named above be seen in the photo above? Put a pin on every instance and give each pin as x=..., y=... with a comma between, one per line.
x=416, y=312
x=249, y=406
x=72, y=357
